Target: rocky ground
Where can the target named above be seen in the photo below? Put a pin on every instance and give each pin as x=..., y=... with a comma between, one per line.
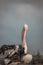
x=14, y=63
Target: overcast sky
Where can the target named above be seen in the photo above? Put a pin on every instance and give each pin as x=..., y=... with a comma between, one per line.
x=14, y=14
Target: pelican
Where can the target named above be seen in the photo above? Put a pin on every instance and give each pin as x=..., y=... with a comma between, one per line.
x=26, y=58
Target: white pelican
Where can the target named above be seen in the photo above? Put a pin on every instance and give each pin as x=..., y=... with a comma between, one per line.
x=26, y=58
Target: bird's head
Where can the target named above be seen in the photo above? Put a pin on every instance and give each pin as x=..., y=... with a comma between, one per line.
x=26, y=27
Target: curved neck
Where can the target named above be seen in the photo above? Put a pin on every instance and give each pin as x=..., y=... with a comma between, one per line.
x=24, y=38
x=24, y=45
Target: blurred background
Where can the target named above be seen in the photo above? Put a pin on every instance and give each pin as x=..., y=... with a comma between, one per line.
x=14, y=14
